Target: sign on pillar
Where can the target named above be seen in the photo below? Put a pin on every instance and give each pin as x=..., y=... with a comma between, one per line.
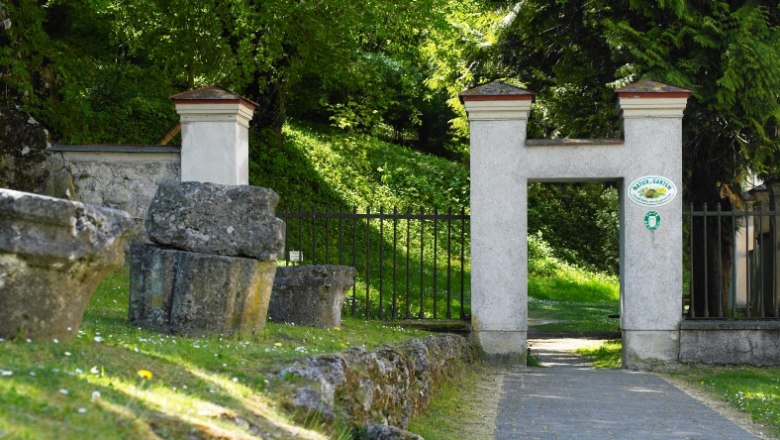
x=215, y=135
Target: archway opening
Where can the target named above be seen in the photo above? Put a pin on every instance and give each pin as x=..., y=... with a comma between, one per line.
x=574, y=270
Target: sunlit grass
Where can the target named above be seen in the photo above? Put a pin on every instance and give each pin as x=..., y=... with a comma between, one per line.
x=755, y=391
x=604, y=355
x=462, y=410
x=90, y=387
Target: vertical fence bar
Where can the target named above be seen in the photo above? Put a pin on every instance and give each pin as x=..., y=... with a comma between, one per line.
x=435, y=258
x=422, y=263
x=286, y=237
x=313, y=237
x=706, y=271
x=733, y=299
x=327, y=235
x=773, y=265
x=381, y=261
x=761, y=260
x=720, y=264
x=368, y=262
x=748, y=274
x=462, y=261
x=354, y=259
x=449, y=263
x=394, y=309
x=691, y=300
x=300, y=234
x=408, y=246
x=341, y=237
x=773, y=228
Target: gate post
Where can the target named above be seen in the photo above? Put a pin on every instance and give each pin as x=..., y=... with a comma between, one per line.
x=214, y=135
x=651, y=231
x=498, y=114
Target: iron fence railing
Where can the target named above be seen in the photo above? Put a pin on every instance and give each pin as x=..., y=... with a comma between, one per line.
x=411, y=265
x=731, y=264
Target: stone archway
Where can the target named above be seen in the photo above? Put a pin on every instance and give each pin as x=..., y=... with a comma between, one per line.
x=647, y=163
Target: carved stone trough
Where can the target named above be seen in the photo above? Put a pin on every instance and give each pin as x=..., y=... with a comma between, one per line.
x=310, y=295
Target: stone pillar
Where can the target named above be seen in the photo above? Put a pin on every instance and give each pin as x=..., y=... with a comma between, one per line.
x=651, y=259
x=215, y=137
x=499, y=272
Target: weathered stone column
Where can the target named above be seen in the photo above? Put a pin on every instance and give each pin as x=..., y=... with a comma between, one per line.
x=499, y=272
x=215, y=137
x=53, y=254
x=651, y=259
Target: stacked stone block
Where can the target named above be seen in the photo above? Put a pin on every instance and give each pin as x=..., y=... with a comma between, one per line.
x=212, y=263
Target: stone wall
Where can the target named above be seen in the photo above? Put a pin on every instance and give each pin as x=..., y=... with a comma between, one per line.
x=116, y=176
x=730, y=342
x=386, y=386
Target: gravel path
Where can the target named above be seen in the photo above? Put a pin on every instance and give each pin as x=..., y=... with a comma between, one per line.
x=567, y=399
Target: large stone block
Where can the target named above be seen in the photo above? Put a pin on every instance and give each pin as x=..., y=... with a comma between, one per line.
x=310, y=295
x=192, y=294
x=53, y=253
x=217, y=219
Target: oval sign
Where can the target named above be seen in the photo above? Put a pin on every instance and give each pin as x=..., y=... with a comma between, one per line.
x=652, y=191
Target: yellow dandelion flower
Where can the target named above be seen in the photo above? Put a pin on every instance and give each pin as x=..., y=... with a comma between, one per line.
x=145, y=374
x=338, y=329
x=277, y=344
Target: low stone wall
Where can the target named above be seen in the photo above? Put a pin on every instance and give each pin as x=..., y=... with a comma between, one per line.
x=116, y=176
x=386, y=386
x=730, y=342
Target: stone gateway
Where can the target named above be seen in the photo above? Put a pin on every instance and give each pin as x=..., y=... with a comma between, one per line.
x=503, y=161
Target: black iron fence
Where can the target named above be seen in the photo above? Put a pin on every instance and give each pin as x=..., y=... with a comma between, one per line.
x=732, y=264
x=415, y=264
x=411, y=265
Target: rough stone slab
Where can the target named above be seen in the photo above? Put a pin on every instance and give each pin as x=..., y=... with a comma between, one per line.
x=193, y=294
x=388, y=432
x=53, y=254
x=209, y=218
x=310, y=295
x=46, y=228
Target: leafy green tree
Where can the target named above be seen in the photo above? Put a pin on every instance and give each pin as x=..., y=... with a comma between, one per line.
x=573, y=53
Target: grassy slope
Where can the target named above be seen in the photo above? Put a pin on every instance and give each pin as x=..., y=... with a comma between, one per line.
x=322, y=167
x=91, y=387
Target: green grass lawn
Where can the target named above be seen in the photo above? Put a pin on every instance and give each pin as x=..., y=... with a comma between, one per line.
x=754, y=391
x=117, y=381
x=567, y=299
x=604, y=355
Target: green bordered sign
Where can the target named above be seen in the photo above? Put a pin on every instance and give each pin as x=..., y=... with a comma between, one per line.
x=652, y=220
x=652, y=191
